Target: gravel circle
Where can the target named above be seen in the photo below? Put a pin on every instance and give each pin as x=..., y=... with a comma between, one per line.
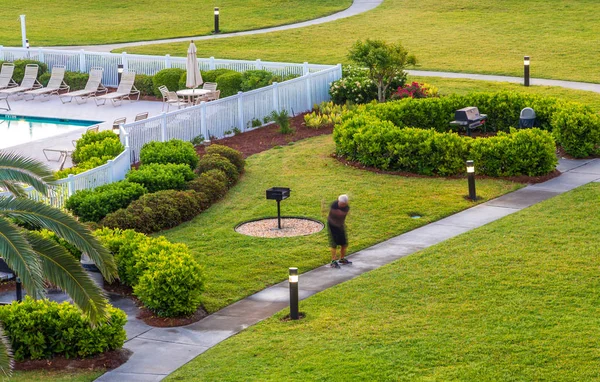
x=289, y=227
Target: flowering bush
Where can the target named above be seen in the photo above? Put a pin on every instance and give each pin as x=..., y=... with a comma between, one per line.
x=416, y=90
x=356, y=87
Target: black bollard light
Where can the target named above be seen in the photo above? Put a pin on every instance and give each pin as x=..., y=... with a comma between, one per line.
x=19, y=290
x=471, y=178
x=119, y=72
x=216, y=20
x=293, y=279
x=526, y=70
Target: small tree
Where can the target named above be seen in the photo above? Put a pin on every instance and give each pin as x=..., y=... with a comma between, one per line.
x=384, y=61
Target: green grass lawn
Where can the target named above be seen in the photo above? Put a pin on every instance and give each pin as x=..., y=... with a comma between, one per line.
x=516, y=300
x=237, y=265
x=54, y=376
x=473, y=36
x=67, y=22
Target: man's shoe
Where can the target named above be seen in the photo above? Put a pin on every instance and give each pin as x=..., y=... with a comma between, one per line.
x=345, y=261
x=334, y=264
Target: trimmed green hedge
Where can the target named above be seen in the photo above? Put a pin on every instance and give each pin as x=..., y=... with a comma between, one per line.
x=164, y=275
x=104, y=145
x=157, y=177
x=168, y=77
x=575, y=127
x=42, y=329
x=235, y=157
x=218, y=162
x=172, y=151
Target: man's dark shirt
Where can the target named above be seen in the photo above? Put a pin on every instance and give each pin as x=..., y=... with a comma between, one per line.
x=337, y=219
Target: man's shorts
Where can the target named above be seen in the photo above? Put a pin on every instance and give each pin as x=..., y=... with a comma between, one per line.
x=337, y=236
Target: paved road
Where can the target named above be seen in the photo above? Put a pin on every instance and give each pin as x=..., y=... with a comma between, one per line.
x=357, y=7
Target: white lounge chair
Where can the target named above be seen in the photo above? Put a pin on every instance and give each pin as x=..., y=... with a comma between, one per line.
x=55, y=85
x=6, y=80
x=125, y=90
x=171, y=98
x=29, y=82
x=92, y=88
x=141, y=116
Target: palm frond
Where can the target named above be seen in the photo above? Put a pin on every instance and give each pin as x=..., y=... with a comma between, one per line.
x=21, y=258
x=15, y=189
x=16, y=168
x=63, y=270
x=64, y=226
x=6, y=359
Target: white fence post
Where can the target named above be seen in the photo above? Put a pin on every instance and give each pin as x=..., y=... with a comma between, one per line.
x=275, y=96
x=1, y=52
x=70, y=185
x=308, y=92
x=82, y=66
x=305, y=69
x=163, y=128
x=41, y=56
x=203, y=130
x=339, y=66
x=111, y=169
x=168, y=61
x=258, y=64
x=124, y=62
x=211, y=63
x=241, y=124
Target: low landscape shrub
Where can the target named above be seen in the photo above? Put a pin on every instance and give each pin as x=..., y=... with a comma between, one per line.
x=82, y=166
x=75, y=80
x=172, y=151
x=229, y=83
x=211, y=75
x=156, y=177
x=415, y=90
x=212, y=183
x=169, y=78
x=20, y=69
x=93, y=205
x=46, y=234
x=356, y=87
x=234, y=156
x=97, y=145
x=158, y=211
x=217, y=162
x=145, y=84
x=577, y=129
x=254, y=79
x=42, y=329
x=164, y=275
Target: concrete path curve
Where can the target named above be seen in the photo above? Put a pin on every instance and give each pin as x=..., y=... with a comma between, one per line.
x=357, y=7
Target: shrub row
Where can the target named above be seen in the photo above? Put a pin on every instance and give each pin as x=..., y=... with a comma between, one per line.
x=92, y=150
x=381, y=144
x=42, y=329
x=575, y=127
x=164, y=276
x=157, y=177
x=172, y=151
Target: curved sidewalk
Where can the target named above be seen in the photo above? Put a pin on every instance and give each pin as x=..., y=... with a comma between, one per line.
x=157, y=352
x=357, y=7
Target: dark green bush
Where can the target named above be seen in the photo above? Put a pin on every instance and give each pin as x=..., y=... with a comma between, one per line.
x=97, y=145
x=43, y=329
x=217, y=162
x=93, y=205
x=158, y=211
x=46, y=234
x=164, y=276
x=157, y=177
x=75, y=80
x=577, y=129
x=254, y=79
x=168, y=77
x=20, y=69
x=212, y=183
x=172, y=151
x=144, y=84
x=234, y=156
x=229, y=83
x=211, y=75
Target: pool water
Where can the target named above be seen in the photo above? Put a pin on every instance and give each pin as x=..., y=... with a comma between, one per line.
x=18, y=129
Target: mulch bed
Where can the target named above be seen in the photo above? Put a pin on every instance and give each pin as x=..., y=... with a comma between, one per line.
x=105, y=361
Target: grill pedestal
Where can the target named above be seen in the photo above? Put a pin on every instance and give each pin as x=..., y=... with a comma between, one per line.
x=278, y=194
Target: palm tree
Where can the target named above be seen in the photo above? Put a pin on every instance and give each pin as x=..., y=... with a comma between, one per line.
x=35, y=259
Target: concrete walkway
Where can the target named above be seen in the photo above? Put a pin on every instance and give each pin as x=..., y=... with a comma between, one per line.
x=357, y=7
x=158, y=352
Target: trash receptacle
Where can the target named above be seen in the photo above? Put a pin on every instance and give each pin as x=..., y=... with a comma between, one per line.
x=527, y=118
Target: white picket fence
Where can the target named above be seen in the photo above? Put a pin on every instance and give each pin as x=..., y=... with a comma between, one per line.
x=82, y=61
x=211, y=120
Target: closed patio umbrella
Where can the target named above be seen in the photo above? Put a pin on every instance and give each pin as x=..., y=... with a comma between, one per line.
x=193, y=76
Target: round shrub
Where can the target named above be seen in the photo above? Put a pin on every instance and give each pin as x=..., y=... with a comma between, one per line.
x=172, y=151
x=356, y=87
x=144, y=84
x=75, y=80
x=97, y=145
x=229, y=83
x=42, y=329
x=93, y=205
x=577, y=129
x=234, y=156
x=157, y=177
x=254, y=79
x=20, y=69
x=82, y=167
x=172, y=285
x=217, y=162
x=212, y=183
x=211, y=75
x=167, y=77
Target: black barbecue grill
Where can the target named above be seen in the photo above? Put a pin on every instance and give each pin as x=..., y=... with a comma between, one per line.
x=469, y=118
x=278, y=194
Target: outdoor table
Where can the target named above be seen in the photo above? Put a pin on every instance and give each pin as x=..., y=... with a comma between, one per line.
x=192, y=94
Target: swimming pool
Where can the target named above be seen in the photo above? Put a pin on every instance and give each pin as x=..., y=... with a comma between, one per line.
x=19, y=129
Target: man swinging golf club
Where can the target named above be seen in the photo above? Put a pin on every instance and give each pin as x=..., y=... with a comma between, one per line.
x=336, y=229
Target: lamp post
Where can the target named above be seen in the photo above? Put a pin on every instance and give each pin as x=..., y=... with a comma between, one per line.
x=471, y=178
x=19, y=290
x=23, y=31
x=119, y=72
x=216, y=20
x=526, y=70
x=293, y=279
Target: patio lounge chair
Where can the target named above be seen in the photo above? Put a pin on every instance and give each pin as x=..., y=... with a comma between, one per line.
x=55, y=85
x=6, y=80
x=141, y=116
x=171, y=98
x=125, y=90
x=93, y=87
x=29, y=82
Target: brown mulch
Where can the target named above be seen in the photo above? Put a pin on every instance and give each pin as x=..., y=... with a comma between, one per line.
x=105, y=361
x=168, y=322
x=267, y=137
